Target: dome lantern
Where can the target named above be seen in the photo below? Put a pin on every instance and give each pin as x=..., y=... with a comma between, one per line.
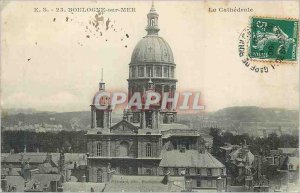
x=152, y=27
x=101, y=83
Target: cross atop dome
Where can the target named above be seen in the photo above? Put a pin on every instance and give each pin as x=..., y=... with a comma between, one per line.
x=152, y=27
x=101, y=83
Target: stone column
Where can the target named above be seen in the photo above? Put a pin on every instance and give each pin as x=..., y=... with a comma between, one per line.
x=108, y=147
x=95, y=118
x=143, y=119
x=162, y=89
x=92, y=117
x=153, y=120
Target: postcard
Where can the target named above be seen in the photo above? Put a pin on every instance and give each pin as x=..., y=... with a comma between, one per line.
x=149, y=96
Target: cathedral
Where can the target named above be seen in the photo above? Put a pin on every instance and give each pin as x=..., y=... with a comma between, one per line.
x=149, y=141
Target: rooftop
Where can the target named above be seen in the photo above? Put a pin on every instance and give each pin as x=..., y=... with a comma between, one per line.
x=83, y=187
x=42, y=180
x=189, y=158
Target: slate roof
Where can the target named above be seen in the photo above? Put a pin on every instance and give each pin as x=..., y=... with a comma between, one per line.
x=189, y=158
x=248, y=156
x=289, y=150
x=290, y=161
x=32, y=157
x=42, y=180
x=295, y=162
x=47, y=168
x=4, y=155
x=165, y=127
x=14, y=171
x=121, y=183
x=17, y=181
x=82, y=186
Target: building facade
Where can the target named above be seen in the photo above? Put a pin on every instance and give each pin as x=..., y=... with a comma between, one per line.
x=148, y=141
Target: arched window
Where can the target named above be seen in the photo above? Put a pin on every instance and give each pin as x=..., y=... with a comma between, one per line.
x=152, y=22
x=124, y=149
x=99, y=176
x=148, y=172
x=99, y=149
x=148, y=150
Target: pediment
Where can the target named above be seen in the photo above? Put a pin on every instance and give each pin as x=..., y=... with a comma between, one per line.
x=124, y=127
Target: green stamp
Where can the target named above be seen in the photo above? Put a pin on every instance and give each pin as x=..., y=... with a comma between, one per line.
x=273, y=39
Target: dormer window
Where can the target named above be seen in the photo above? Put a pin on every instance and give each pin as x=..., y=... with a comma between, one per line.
x=209, y=171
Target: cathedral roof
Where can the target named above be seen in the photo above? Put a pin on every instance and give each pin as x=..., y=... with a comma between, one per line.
x=152, y=48
x=189, y=158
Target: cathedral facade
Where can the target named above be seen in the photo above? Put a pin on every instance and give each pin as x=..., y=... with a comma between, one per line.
x=149, y=141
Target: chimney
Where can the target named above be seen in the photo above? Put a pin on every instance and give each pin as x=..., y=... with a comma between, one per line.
x=166, y=175
x=10, y=170
x=45, y=189
x=219, y=184
x=48, y=157
x=4, y=185
x=83, y=178
x=182, y=149
x=202, y=150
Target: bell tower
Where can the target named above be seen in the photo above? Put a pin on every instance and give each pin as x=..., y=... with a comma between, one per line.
x=100, y=108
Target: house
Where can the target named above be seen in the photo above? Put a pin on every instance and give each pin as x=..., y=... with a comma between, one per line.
x=45, y=183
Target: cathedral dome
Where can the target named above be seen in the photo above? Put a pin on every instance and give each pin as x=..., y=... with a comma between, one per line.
x=152, y=48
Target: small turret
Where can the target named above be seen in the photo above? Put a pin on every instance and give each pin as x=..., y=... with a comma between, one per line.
x=101, y=83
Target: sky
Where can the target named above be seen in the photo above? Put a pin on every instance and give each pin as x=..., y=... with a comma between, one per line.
x=51, y=61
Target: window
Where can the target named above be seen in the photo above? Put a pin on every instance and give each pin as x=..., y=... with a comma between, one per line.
x=124, y=149
x=198, y=183
x=152, y=22
x=222, y=171
x=290, y=166
x=158, y=72
x=209, y=172
x=124, y=170
x=240, y=155
x=133, y=71
x=198, y=171
x=99, y=176
x=172, y=72
x=148, y=150
x=148, y=172
x=149, y=71
x=99, y=149
x=99, y=118
x=209, y=183
x=176, y=172
x=187, y=171
x=141, y=71
x=166, y=71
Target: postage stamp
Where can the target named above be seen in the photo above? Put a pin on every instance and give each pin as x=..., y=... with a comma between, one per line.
x=273, y=39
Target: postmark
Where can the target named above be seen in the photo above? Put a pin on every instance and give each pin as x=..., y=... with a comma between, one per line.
x=273, y=39
x=267, y=43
